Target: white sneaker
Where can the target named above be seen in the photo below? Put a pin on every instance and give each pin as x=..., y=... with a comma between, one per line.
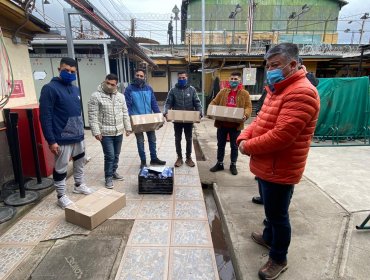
x=64, y=201
x=82, y=189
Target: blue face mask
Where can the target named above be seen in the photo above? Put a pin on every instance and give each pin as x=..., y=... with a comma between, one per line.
x=234, y=84
x=181, y=83
x=67, y=77
x=275, y=76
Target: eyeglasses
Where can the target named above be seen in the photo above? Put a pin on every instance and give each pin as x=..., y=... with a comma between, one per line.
x=139, y=76
x=234, y=79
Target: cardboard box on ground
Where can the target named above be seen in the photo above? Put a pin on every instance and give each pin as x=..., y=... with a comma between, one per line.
x=183, y=116
x=147, y=122
x=94, y=209
x=223, y=113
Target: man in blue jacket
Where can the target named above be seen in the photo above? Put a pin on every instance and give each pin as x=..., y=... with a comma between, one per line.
x=62, y=126
x=140, y=100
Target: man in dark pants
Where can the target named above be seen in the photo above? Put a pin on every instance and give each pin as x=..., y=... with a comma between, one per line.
x=140, y=100
x=183, y=97
x=315, y=82
x=278, y=142
x=232, y=96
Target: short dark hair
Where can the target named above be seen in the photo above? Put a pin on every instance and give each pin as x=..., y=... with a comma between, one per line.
x=236, y=74
x=140, y=69
x=68, y=61
x=111, y=77
x=182, y=72
x=288, y=50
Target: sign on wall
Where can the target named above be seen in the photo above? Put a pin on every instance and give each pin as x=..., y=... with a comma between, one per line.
x=18, y=90
x=249, y=76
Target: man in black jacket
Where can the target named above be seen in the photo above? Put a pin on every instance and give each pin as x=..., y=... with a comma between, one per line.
x=183, y=97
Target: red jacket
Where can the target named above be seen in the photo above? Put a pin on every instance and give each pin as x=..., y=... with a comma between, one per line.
x=279, y=138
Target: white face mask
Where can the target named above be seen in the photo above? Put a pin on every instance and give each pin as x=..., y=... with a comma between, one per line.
x=108, y=88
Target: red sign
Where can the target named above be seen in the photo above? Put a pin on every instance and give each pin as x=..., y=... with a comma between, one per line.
x=18, y=90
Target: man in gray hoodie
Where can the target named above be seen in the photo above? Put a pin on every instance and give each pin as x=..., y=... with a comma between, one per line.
x=183, y=97
x=108, y=118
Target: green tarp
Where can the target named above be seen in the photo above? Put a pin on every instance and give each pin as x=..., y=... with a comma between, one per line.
x=344, y=103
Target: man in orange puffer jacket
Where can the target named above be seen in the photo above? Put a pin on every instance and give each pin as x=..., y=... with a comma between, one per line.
x=278, y=142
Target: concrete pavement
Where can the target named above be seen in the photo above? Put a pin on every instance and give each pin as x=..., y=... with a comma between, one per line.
x=153, y=237
x=331, y=199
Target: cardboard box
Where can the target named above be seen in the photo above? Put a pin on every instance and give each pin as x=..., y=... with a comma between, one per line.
x=147, y=122
x=223, y=113
x=95, y=208
x=183, y=116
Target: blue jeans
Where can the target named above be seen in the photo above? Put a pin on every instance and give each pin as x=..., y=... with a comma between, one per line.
x=111, y=148
x=221, y=143
x=152, y=144
x=277, y=233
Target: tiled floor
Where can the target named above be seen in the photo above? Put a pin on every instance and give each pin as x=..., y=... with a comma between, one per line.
x=170, y=238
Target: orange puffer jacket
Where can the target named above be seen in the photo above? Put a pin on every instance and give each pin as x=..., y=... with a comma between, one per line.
x=279, y=139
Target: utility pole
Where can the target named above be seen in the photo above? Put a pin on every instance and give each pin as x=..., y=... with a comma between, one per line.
x=133, y=23
x=203, y=53
x=364, y=18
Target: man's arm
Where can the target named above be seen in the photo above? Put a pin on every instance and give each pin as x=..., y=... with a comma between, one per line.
x=247, y=106
x=47, y=102
x=169, y=102
x=216, y=100
x=128, y=98
x=196, y=102
x=93, y=113
x=126, y=118
x=154, y=103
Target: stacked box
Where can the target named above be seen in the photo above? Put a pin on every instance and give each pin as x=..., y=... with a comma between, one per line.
x=155, y=182
x=147, y=122
x=183, y=116
x=223, y=113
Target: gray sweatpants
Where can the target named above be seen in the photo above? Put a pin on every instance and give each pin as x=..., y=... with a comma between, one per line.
x=66, y=152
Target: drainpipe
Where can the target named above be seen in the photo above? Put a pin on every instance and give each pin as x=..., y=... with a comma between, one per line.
x=106, y=58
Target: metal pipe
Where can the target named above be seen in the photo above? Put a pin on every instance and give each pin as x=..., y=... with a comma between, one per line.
x=69, y=37
x=18, y=162
x=106, y=59
x=128, y=69
x=34, y=145
x=123, y=61
x=77, y=41
x=203, y=51
x=120, y=67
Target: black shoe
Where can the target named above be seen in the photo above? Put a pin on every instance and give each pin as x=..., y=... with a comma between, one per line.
x=257, y=200
x=157, y=161
x=142, y=164
x=217, y=167
x=233, y=169
x=265, y=222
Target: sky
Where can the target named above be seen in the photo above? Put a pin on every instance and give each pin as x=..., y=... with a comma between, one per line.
x=150, y=6
x=153, y=17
